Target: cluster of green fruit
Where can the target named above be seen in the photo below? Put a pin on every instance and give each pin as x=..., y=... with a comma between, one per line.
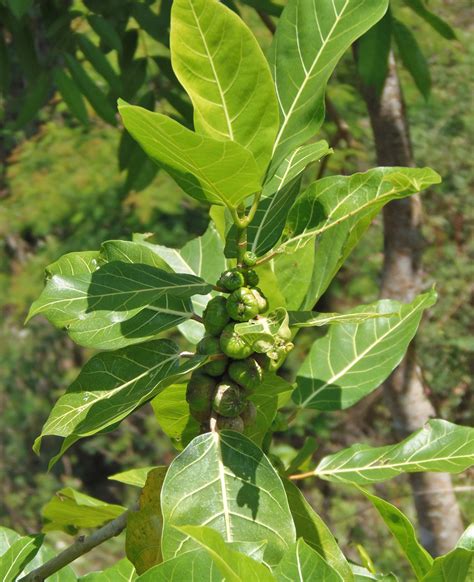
x=222, y=386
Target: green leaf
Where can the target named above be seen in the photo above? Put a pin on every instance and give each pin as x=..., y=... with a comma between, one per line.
x=303, y=564
x=106, y=31
x=72, y=264
x=234, y=566
x=143, y=533
x=440, y=25
x=177, y=569
x=100, y=63
x=353, y=359
x=36, y=96
x=110, y=330
x=456, y=564
x=18, y=555
x=135, y=477
x=345, y=205
x=278, y=195
x=116, y=287
x=136, y=251
x=19, y=7
x=361, y=574
x=412, y=57
x=45, y=554
x=91, y=92
x=70, y=510
x=312, y=529
x=301, y=319
x=239, y=494
x=294, y=275
x=71, y=95
x=7, y=538
x=373, y=49
x=172, y=412
x=404, y=532
x=112, y=385
x=439, y=446
x=220, y=64
x=122, y=570
x=308, y=43
x=209, y=170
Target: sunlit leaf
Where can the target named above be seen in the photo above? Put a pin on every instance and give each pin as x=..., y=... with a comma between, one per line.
x=303, y=564
x=18, y=555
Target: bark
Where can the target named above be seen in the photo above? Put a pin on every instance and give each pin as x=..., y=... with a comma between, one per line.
x=438, y=513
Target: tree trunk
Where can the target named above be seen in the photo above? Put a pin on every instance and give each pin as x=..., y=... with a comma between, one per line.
x=438, y=513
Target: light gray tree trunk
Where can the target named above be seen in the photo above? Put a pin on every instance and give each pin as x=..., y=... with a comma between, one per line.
x=438, y=513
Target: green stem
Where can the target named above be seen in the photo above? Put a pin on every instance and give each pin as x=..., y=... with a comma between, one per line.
x=241, y=246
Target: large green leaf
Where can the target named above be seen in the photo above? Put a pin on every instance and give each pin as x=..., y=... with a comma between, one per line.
x=373, y=49
x=233, y=565
x=100, y=62
x=135, y=477
x=112, y=385
x=121, y=571
x=404, y=532
x=347, y=204
x=220, y=64
x=457, y=564
x=136, y=251
x=76, y=263
x=70, y=510
x=312, y=529
x=294, y=274
x=303, y=564
x=301, y=319
x=71, y=95
x=197, y=561
x=311, y=37
x=18, y=555
x=109, y=330
x=353, y=359
x=224, y=481
x=412, y=57
x=219, y=172
x=116, y=287
x=438, y=446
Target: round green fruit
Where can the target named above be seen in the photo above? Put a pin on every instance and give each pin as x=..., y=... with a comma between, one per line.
x=249, y=259
x=251, y=278
x=229, y=399
x=242, y=304
x=225, y=423
x=231, y=280
x=261, y=300
x=217, y=367
x=247, y=373
x=233, y=345
x=202, y=416
x=209, y=346
x=215, y=316
x=200, y=391
x=249, y=414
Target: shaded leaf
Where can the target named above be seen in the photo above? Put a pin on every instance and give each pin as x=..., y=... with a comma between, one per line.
x=71, y=95
x=373, y=49
x=353, y=359
x=18, y=555
x=36, y=96
x=224, y=481
x=439, y=446
x=301, y=319
x=100, y=63
x=105, y=30
x=404, y=532
x=412, y=57
x=220, y=64
x=70, y=510
x=456, y=564
x=440, y=25
x=207, y=169
x=312, y=529
x=177, y=569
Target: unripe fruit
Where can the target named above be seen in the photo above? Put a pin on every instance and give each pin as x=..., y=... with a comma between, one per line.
x=216, y=368
x=231, y=280
x=242, y=305
x=249, y=414
x=215, y=316
x=251, y=278
x=233, y=345
x=249, y=259
x=247, y=373
x=261, y=300
x=236, y=423
x=200, y=391
x=229, y=399
x=202, y=416
x=209, y=346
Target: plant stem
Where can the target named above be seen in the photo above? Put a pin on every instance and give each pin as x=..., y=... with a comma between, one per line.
x=197, y=317
x=301, y=476
x=80, y=547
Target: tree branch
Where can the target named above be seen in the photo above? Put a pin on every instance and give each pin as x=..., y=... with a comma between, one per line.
x=80, y=547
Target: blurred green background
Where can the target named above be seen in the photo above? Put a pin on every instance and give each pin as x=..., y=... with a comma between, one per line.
x=66, y=193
